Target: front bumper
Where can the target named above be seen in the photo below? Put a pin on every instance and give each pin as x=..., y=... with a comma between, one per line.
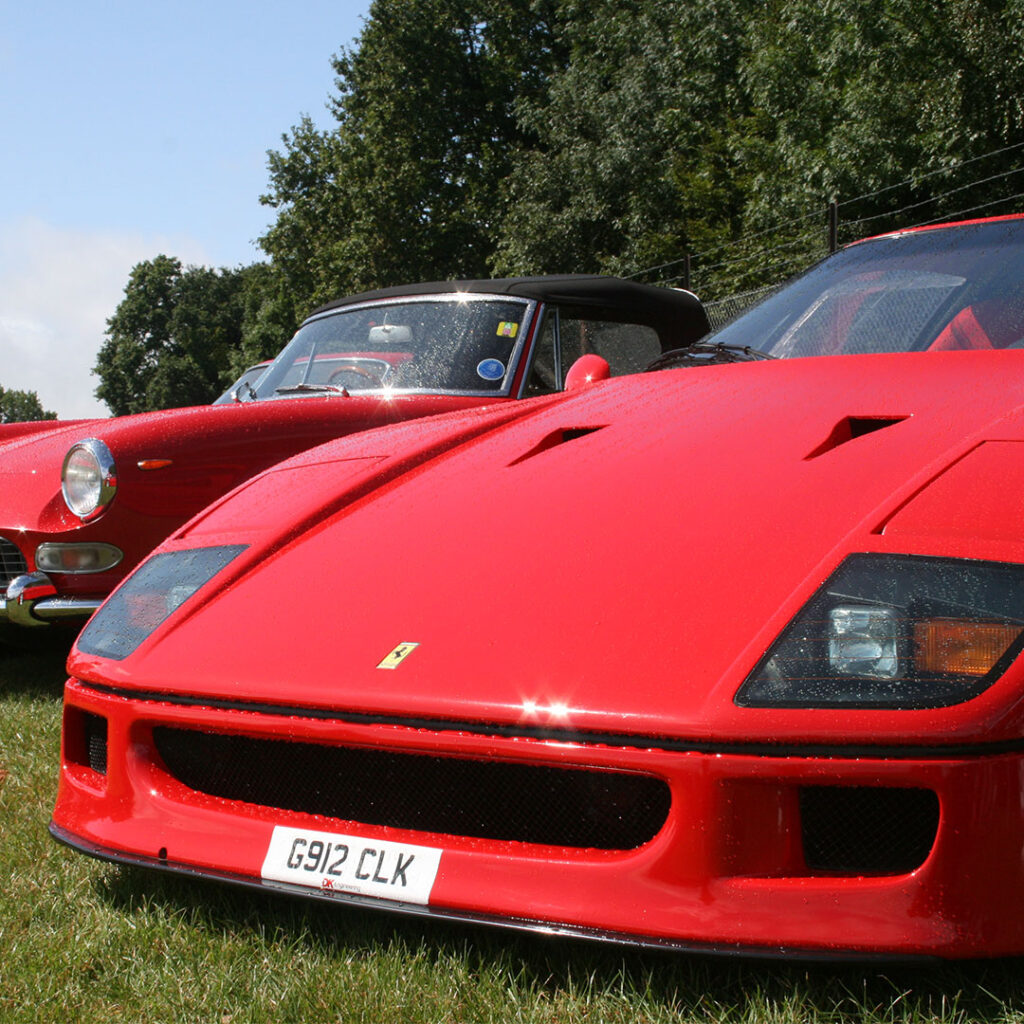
x=32, y=600
x=740, y=861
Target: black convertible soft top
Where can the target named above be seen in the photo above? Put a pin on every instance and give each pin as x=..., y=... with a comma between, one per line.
x=677, y=316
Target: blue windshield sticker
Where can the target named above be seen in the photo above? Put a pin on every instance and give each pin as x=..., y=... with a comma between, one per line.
x=490, y=369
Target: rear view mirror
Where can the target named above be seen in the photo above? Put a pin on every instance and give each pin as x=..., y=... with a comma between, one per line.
x=390, y=334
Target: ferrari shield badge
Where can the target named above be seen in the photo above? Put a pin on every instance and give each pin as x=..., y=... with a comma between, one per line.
x=398, y=655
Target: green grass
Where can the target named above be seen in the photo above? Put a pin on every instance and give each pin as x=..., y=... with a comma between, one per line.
x=82, y=940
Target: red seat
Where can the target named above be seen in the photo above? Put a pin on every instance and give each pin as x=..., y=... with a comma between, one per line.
x=964, y=331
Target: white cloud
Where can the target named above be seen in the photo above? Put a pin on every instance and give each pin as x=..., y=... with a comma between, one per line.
x=57, y=289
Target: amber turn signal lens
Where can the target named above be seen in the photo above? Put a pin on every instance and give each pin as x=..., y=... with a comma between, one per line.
x=961, y=646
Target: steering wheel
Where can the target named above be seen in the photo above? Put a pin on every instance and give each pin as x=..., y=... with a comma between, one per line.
x=338, y=377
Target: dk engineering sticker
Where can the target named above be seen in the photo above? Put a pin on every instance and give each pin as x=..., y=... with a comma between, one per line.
x=367, y=867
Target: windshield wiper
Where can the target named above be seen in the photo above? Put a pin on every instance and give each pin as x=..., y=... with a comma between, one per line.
x=704, y=353
x=334, y=389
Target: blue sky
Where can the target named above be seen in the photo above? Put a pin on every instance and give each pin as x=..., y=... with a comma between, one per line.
x=131, y=129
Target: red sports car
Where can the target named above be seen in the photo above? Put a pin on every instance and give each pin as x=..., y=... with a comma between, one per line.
x=82, y=502
x=723, y=657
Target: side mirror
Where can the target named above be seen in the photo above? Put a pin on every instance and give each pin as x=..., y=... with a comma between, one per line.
x=586, y=370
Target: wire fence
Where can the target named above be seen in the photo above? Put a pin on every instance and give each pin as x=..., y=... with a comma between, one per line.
x=721, y=311
x=733, y=274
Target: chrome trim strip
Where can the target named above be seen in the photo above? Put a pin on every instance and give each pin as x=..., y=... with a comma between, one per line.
x=63, y=608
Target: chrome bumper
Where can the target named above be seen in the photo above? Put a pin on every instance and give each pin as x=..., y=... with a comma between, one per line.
x=32, y=600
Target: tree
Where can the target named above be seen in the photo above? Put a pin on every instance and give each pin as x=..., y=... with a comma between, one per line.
x=855, y=96
x=171, y=339
x=633, y=149
x=408, y=186
x=543, y=136
x=270, y=315
x=689, y=126
x=21, y=407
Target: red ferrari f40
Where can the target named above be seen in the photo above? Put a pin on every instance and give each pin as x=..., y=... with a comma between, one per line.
x=724, y=656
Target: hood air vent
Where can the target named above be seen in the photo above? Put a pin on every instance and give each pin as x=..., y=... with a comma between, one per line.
x=554, y=439
x=852, y=427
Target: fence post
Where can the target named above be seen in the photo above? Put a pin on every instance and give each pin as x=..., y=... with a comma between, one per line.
x=833, y=225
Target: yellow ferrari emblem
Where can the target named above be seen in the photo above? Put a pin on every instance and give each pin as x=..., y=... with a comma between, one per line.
x=398, y=655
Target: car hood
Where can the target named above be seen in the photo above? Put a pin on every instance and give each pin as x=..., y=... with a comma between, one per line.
x=614, y=562
x=179, y=429
x=10, y=431
x=210, y=447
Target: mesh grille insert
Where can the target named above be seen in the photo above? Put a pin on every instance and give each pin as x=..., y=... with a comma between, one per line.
x=12, y=563
x=609, y=810
x=95, y=728
x=867, y=830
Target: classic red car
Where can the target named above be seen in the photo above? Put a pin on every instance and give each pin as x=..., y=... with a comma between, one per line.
x=82, y=502
x=724, y=657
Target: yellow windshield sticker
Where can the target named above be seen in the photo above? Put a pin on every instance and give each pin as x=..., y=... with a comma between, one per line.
x=398, y=655
x=508, y=329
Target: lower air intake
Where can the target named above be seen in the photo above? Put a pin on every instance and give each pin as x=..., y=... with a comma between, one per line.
x=501, y=800
x=95, y=728
x=867, y=830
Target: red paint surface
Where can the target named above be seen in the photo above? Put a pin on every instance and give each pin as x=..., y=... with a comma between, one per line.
x=589, y=581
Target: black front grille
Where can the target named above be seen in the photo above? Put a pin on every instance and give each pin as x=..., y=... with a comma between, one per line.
x=12, y=563
x=867, y=830
x=529, y=803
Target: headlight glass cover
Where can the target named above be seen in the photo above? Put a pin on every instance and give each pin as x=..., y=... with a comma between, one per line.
x=895, y=631
x=88, y=478
x=149, y=596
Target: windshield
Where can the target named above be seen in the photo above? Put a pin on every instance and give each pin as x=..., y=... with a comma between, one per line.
x=951, y=288
x=451, y=343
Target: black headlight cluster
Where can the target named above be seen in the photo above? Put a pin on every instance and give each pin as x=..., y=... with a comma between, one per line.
x=895, y=631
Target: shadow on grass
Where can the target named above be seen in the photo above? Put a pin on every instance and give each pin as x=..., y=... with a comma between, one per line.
x=696, y=987
x=35, y=668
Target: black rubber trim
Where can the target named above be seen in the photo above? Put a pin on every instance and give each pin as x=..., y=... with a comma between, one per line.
x=491, y=729
x=521, y=924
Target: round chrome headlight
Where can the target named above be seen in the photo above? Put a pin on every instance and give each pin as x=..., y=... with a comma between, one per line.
x=88, y=478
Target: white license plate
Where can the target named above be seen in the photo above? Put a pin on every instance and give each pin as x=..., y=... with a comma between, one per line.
x=369, y=867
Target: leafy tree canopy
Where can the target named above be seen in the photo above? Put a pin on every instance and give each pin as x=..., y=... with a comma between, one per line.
x=679, y=125
x=856, y=95
x=474, y=137
x=633, y=156
x=409, y=185
x=171, y=339
x=21, y=407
